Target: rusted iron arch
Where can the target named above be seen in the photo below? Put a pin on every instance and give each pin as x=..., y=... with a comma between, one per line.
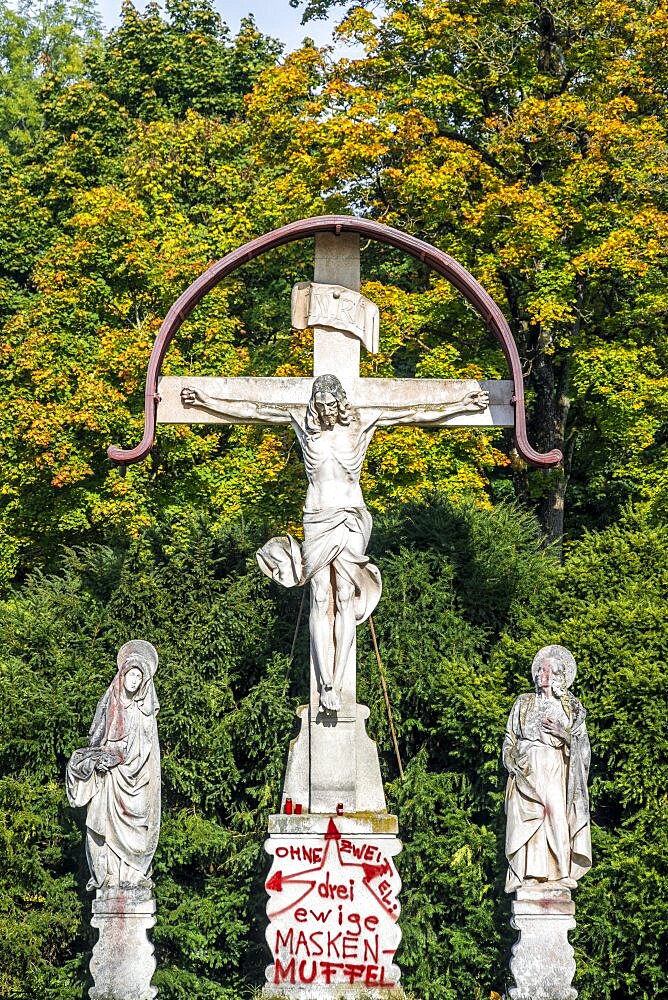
x=441, y=262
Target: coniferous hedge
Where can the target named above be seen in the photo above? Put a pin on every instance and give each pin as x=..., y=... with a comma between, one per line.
x=469, y=597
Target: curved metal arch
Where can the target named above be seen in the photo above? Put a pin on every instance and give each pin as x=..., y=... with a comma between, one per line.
x=440, y=262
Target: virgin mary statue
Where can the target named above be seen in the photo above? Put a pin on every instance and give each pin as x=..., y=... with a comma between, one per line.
x=118, y=775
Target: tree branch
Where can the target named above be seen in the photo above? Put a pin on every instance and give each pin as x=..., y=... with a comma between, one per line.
x=486, y=157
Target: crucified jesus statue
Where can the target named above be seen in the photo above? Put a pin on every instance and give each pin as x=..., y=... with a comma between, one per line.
x=334, y=437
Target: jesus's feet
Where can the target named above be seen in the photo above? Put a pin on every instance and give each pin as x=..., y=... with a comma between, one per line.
x=329, y=699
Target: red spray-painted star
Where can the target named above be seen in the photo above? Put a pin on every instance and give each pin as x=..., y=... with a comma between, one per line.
x=371, y=872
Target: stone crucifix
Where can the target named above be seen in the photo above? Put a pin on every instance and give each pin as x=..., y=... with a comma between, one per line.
x=333, y=844
x=334, y=417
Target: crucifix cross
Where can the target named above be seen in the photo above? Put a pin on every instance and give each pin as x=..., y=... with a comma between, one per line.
x=332, y=763
x=334, y=417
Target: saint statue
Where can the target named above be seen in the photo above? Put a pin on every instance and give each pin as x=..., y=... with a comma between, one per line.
x=117, y=776
x=334, y=437
x=546, y=753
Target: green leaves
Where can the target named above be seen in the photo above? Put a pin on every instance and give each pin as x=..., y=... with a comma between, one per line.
x=158, y=68
x=469, y=597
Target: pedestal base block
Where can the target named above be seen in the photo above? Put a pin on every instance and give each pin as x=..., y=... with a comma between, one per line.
x=123, y=964
x=333, y=907
x=332, y=761
x=322, y=992
x=542, y=962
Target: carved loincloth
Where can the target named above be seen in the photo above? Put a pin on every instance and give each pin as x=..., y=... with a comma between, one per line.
x=327, y=542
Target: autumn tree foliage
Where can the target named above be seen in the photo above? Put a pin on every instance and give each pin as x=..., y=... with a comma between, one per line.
x=529, y=140
x=117, y=205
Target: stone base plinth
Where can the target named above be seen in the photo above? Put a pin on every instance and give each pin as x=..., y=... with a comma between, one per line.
x=321, y=992
x=333, y=908
x=542, y=962
x=123, y=964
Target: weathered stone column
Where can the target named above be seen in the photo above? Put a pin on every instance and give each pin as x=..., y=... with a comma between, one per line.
x=123, y=964
x=542, y=962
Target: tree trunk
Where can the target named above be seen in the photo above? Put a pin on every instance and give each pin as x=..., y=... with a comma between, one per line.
x=550, y=377
x=548, y=374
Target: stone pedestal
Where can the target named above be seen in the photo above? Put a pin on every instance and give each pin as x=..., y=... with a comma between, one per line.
x=123, y=964
x=332, y=762
x=333, y=907
x=542, y=962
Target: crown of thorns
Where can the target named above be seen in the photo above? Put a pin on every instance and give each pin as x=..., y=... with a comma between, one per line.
x=331, y=384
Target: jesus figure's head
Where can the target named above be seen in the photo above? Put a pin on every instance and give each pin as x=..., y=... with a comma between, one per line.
x=327, y=406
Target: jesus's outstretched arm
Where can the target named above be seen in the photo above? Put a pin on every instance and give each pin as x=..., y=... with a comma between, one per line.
x=433, y=414
x=237, y=411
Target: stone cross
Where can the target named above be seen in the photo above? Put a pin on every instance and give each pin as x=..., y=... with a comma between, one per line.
x=331, y=772
x=336, y=350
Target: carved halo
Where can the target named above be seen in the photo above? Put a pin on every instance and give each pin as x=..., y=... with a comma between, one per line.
x=560, y=653
x=141, y=648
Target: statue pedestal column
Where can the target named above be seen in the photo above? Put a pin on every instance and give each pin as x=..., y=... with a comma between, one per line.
x=123, y=964
x=332, y=762
x=542, y=962
x=333, y=907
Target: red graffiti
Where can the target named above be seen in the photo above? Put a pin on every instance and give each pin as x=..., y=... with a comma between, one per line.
x=308, y=970
x=338, y=891
x=332, y=831
x=335, y=919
